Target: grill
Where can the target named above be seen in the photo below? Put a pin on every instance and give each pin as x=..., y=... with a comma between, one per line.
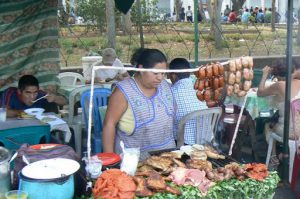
x=222, y=162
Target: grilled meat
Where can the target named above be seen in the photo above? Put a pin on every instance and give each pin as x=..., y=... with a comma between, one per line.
x=159, y=162
x=173, y=190
x=179, y=163
x=142, y=189
x=199, y=164
x=156, y=182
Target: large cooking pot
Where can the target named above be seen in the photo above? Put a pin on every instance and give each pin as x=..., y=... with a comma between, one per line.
x=48, y=179
x=4, y=171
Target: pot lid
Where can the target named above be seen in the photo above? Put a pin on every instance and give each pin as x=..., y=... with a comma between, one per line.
x=50, y=168
x=109, y=158
x=4, y=154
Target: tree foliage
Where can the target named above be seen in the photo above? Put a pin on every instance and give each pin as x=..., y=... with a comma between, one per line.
x=92, y=11
x=149, y=11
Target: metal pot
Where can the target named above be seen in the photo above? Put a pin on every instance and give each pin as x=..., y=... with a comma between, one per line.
x=4, y=171
x=52, y=177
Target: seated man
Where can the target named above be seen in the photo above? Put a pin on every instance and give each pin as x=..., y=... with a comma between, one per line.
x=185, y=98
x=109, y=58
x=18, y=99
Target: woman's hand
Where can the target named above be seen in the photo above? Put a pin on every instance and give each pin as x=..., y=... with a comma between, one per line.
x=266, y=71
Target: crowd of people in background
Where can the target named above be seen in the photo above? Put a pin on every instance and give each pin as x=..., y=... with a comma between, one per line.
x=252, y=15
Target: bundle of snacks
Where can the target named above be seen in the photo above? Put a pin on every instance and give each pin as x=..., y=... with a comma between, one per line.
x=239, y=76
x=210, y=83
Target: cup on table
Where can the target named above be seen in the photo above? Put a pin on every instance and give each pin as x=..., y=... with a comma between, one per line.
x=16, y=194
x=2, y=114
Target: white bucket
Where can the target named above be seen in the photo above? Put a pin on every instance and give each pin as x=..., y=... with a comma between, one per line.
x=86, y=65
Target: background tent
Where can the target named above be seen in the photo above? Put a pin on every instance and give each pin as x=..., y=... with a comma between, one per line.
x=29, y=41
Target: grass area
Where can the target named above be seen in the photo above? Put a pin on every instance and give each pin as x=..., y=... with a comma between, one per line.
x=176, y=40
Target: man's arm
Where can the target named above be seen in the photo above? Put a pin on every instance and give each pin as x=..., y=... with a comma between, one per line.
x=13, y=113
x=59, y=100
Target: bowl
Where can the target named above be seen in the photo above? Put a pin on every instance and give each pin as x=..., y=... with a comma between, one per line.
x=34, y=111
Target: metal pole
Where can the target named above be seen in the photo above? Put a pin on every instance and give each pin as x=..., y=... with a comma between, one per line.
x=196, y=32
x=138, y=3
x=289, y=53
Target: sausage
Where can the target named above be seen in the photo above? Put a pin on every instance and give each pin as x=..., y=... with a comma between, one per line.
x=229, y=90
x=246, y=74
x=201, y=85
x=245, y=62
x=200, y=95
x=210, y=103
x=201, y=73
x=216, y=83
x=238, y=76
x=196, y=84
x=221, y=81
x=209, y=71
x=218, y=94
x=231, y=78
x=242, y=93
x=247, y=85
x=238, y=64
x=236, y=88
x=232, y=66
x=221, y=69
x=251, y=74
x=250, y=62
x=215, y=69
x=206, y=83
x=207, y=95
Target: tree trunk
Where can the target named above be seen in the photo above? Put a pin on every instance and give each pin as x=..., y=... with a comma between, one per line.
x=273, y=16
x=215, y=13
x=237, y=4
x=111, y=26
x=201, y=11
x=127, y=23
x=178, y=4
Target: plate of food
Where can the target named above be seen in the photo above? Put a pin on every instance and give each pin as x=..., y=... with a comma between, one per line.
x=48, y=118
x=24, y=115
x=34, y=111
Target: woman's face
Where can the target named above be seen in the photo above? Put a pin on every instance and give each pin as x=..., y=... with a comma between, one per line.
x=151, y=79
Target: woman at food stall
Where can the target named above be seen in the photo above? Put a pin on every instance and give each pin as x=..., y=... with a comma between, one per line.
x=277, y=89
x=141, y=109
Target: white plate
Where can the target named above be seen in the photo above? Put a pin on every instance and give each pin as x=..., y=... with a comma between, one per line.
x=187, y=149
x=34, y=111
x=50, y=168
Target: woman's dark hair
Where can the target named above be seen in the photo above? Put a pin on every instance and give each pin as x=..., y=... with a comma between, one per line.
x=180, y=63
x=279, y=68
x=27, y=80
x=147, y=57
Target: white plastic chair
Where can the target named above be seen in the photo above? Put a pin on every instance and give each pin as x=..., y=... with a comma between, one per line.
x=293, y=144
x=70, y=78
x=292, y=149
x=208, y=117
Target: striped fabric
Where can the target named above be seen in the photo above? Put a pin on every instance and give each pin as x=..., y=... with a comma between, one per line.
x=28, y=42
x=187, y=102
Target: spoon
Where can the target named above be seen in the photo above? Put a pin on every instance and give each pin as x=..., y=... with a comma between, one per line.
x=39, y=98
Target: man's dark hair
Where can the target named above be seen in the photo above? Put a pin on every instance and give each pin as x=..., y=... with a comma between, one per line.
x=27, y=80
x=180, y=63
